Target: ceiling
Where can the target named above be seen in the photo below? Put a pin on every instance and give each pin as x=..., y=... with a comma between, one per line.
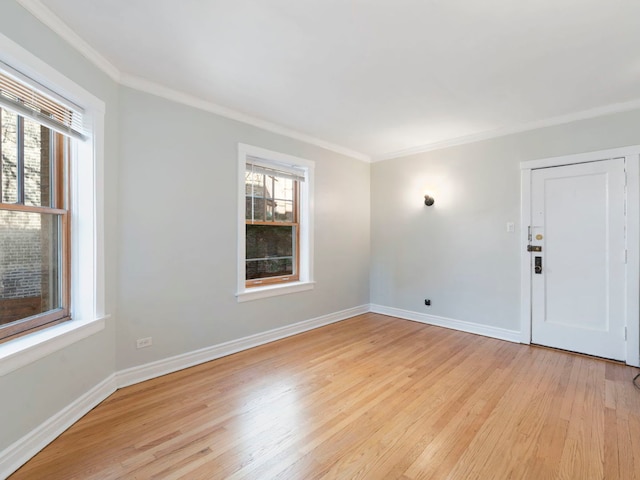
x=379, y=77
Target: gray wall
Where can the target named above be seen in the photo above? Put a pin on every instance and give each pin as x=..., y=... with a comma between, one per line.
x=458, y=253
x=178, y=225
x=30, y=395
x=170, y=223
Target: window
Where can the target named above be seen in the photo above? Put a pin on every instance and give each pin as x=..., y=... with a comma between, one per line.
x=52, y=100
x=274, y=233
x=272, y=226
x=35, y=218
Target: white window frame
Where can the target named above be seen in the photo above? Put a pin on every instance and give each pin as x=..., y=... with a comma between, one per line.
x=305, y=281
x=87, y=216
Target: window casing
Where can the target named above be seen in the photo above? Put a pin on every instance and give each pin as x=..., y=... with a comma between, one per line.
x=275, y=223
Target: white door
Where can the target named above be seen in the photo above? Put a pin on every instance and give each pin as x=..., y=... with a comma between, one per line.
x=578, y=276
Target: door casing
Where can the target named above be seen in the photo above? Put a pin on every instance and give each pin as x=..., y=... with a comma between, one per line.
x=632, y=274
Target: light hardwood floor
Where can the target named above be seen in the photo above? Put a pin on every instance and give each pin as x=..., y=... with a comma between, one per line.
x=373, y=397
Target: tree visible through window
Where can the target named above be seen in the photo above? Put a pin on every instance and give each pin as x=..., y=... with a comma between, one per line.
x=272, y=215
x=34, y=225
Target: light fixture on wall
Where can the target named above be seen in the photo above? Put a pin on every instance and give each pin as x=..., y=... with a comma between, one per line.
x=428, y=200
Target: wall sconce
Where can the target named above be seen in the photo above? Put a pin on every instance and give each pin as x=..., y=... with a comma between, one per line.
x=428, y=200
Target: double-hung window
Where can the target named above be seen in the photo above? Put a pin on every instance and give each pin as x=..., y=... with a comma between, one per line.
x=35, y=220
x=272, y=223
x=275, y=239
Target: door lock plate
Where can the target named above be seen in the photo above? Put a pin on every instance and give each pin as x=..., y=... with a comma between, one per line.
x=534, y=248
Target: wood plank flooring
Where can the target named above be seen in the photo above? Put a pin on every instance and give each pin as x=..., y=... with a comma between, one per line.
x=373, y=397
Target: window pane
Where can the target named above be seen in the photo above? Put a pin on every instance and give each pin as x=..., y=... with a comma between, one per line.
x=258, y=197
x=269, y=198
x=269, y=250
x=37, y=164
x=260, y=206
x=269, y=268
x=283, y=211
x=283, y=189
x=30, y=272
x=9, y=160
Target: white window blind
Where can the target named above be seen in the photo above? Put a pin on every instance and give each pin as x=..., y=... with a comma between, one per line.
x=256, y=165
x=28, y=98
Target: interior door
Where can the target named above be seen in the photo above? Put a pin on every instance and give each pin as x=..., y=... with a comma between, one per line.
x=578, y=258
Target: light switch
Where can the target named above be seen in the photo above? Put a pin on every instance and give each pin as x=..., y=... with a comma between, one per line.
x=511, y=227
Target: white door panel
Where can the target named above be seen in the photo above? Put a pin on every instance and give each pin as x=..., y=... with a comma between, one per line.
x=578, y=218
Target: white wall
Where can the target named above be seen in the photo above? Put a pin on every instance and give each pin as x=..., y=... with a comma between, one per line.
x=458, y=253
x=178, y=208
x=32, y=394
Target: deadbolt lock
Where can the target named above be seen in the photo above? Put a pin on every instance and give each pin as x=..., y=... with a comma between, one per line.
x=534, y=248
x=537, y=265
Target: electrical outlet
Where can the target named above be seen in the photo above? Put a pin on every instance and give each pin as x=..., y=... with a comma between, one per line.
x=427, y=302
x=144, y=342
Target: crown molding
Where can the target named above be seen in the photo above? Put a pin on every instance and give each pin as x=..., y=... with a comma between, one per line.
x=177, y=96
x=523, y=127
x=51, y=20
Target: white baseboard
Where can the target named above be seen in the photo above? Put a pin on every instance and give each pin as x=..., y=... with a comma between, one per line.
x=477, y=328
x=141, y=373
x=21, y=451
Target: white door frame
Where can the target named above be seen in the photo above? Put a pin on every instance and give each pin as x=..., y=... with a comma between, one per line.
x=632, y=280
